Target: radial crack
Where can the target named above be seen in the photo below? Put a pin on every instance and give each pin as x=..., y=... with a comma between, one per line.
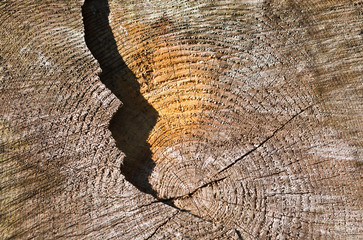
x=238, y=234
x=161, y=225
x=189, y=195
x=264, y=141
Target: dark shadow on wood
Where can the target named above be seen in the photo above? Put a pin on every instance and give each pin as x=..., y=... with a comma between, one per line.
x=133, y=122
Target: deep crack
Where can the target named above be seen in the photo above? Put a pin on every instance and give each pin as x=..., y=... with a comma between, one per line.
x=132, y=123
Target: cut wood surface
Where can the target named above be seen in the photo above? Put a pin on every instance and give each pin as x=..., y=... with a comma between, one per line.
x=174, y=119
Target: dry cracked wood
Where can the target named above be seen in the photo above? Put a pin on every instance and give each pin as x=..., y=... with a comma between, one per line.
x=181, y=119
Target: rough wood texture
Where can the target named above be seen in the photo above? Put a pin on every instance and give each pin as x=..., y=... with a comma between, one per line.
x=210, y=119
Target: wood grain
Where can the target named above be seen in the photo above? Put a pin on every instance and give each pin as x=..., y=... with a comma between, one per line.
x=181, y=119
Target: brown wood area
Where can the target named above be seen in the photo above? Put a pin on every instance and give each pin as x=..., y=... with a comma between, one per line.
x=177, y=119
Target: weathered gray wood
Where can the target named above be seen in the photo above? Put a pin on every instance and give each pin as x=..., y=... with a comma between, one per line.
x=210, y=119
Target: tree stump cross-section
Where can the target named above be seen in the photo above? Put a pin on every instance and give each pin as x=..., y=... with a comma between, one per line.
x=181, y=119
